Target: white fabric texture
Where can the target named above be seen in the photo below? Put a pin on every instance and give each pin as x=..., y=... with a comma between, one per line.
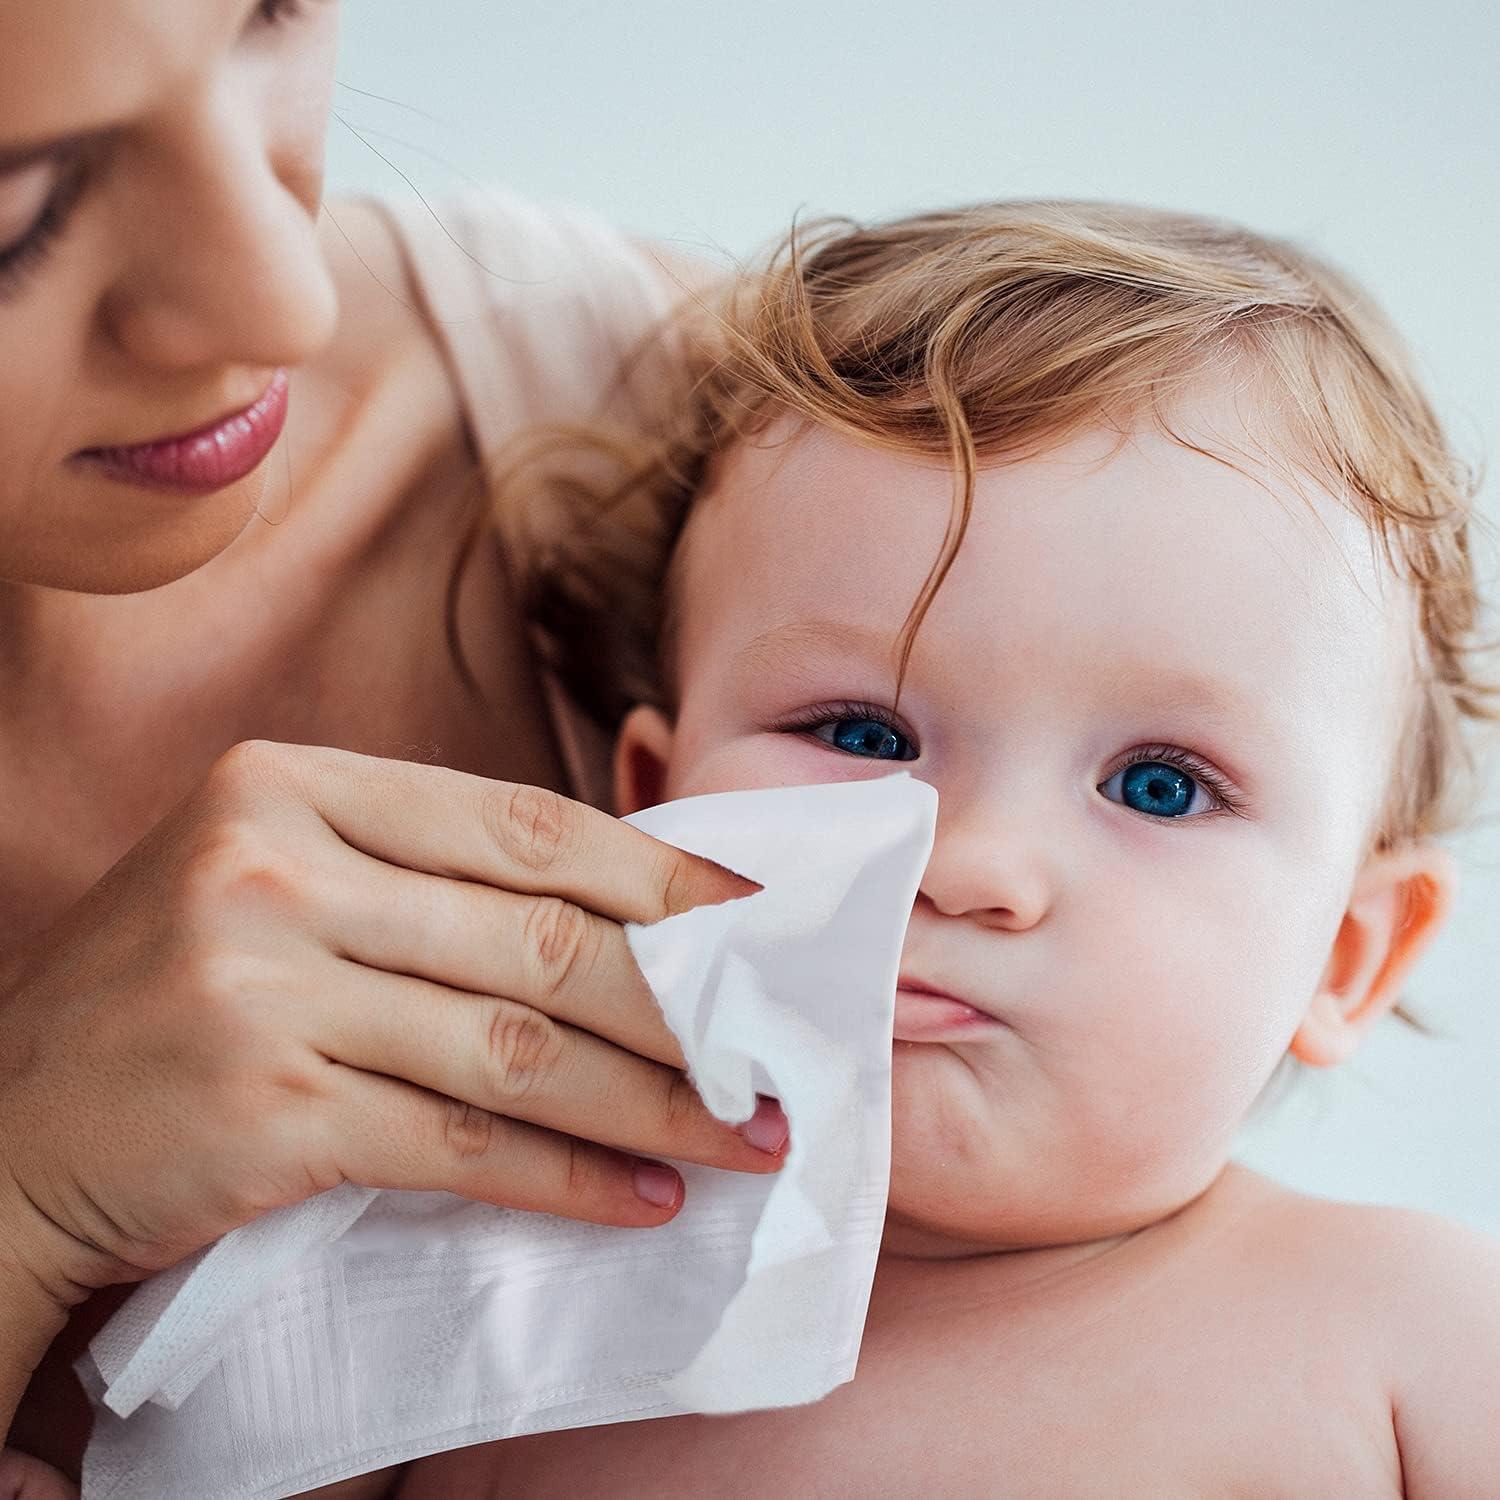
x=361, y=1329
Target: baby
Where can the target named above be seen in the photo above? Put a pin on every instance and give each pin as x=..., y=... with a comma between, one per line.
x=1184, y=649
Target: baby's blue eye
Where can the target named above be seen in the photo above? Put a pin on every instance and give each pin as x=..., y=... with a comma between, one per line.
x=1158, y=788
x=867, y=737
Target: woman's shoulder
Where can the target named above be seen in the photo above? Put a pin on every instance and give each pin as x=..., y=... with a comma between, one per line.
x=536, y=309
x=491, y=277
x=466, y=324
x=503, y=315
x=381, y=317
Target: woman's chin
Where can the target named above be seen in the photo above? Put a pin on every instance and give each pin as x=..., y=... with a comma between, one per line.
x=139, y=550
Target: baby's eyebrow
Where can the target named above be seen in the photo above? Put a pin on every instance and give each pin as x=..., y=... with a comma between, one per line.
x=1178, y=693
x=782, y=646
x=1197, y=698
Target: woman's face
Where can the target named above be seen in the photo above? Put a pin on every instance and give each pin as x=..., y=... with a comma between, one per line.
x=160, y=173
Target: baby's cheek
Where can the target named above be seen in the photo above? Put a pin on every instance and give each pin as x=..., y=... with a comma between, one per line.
x=955, y=1135
x=1193, y=1037
x=700, y=766
x=1151, y=1054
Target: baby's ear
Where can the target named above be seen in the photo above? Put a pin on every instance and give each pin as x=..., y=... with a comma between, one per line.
x=643, y=751
x=1400, y=899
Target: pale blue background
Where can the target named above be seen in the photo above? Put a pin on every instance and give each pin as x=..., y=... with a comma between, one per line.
x=1371, y=131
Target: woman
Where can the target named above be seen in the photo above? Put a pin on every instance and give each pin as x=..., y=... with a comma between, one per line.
x=241, y=460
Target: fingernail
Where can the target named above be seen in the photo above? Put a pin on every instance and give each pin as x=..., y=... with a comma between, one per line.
x=751, y=887
x=767, y=1129
x=659, y=1186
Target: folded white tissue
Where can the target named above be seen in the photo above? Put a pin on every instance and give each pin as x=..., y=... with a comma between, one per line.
x=363, y=1328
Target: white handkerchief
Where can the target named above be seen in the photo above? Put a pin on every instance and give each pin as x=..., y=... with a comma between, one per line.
x=363, y=1328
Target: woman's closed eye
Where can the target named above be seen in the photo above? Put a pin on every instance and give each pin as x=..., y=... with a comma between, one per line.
x=278, y=12
x=35, y=201
x=37, y=197
x=24, y=194
x=1161, y=781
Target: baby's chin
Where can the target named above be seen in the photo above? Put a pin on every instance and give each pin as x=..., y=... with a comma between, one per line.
x=921, y=1231
x=939, y=1218
x=983, y=1160
x=943, y=1207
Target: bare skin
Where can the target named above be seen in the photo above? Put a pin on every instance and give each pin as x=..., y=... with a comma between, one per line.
x=1076, y=1297
x=416, y=708
x=1239, y=1348
x=1257, y=1344
x=95, y=683
x=398, y=959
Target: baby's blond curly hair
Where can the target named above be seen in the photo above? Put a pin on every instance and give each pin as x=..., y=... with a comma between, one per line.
x=985, y=334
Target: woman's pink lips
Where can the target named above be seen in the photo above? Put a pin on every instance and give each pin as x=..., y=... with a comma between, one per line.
x=208, y=459
x=924, y=1015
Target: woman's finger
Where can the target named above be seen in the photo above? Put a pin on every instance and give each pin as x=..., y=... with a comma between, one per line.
x=566, y=961
x=509, y=1059
x=395, y=1135
x=25, y=1478
x=518, y=838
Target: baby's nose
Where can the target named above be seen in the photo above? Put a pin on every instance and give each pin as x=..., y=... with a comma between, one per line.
x=1000, y=879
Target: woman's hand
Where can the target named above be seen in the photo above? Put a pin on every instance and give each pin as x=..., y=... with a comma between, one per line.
x=325, y=967
x=25, y=1478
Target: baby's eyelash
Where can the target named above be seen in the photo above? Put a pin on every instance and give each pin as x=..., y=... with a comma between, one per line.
x=1193, y=765
x=824, y=713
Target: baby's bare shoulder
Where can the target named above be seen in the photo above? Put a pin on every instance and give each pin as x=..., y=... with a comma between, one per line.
x=1442, y=1315
x=1420, y=1295
x=1425, y=1264
x=1259, y=1343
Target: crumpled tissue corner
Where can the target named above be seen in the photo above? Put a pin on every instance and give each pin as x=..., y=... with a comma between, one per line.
x=362, y=1328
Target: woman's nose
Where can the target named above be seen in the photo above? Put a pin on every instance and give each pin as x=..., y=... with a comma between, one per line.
x=227, y=267
x=993, y=869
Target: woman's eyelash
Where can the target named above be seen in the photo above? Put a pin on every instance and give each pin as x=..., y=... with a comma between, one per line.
x=279, y=12
x=1190, y=764
x=25, y=254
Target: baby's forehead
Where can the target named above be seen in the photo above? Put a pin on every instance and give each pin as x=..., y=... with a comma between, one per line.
x=1205, y=545
x=1209, y=492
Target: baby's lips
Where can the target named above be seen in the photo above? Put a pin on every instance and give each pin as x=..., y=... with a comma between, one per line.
x=767, y=1129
